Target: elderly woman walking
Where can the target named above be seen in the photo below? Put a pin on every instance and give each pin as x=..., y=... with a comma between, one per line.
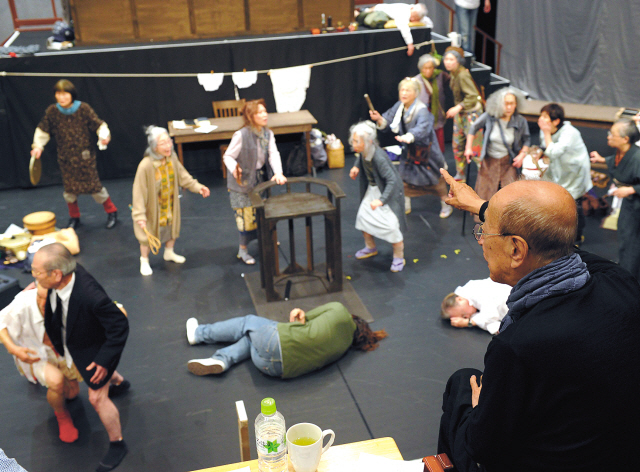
x=432, y=92
x=251, y=158
x=156, y=206
x=468, y=107
x=506, y=141
x=381, y=212
x=421, y=159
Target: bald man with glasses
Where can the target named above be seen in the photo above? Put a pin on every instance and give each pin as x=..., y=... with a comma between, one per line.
x=561, y=378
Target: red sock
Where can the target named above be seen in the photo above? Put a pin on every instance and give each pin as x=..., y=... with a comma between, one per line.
x=109, y=207
x=68, y=432
x=74, y=210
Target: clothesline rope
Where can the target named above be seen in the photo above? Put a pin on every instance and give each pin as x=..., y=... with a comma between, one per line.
x=113, y=75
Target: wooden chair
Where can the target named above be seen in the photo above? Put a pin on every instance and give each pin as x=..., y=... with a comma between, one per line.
x=243, y=432
x=289, y=206
x=226, y=109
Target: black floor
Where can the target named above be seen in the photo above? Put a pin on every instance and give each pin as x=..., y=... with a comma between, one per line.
x=175, y=421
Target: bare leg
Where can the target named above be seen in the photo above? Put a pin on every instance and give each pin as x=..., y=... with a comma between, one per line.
x=116, y=379
x=55, y=396
x=368, y=240
x=398, y=250
x=107, y=412
x=55, y=392
x=144, y=251
x=71, y=389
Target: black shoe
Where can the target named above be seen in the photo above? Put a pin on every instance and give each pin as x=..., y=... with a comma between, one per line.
x=73, y=223
x=117, y=390
x=115, y=454
x=112, y=219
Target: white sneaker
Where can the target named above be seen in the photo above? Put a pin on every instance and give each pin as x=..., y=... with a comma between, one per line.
x=171, y=256
x=192, y=324
x=446, y=210
x=206, y=366
x=145, y=268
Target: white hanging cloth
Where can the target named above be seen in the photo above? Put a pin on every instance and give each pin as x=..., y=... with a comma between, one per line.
x=211, y=82
x=290, y=87
x=244, y=79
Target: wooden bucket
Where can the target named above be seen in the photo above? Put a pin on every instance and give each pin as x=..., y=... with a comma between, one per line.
x=40, y=222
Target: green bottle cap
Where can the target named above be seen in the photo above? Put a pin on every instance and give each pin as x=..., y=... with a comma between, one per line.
x=268, y=406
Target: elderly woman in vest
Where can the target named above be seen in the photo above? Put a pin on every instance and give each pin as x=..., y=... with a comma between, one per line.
x=381, y=212
x=251, y=158
x=432, y=92
x=421, y=160
x=467, y=109
x=156, y=205
x=506, y=141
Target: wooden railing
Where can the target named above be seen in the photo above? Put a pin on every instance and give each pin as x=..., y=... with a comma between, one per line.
x=496, y=44
x=452, y=12
x=46, y=23
x=485, y=37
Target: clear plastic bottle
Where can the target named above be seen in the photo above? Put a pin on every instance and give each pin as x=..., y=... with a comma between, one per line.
x=271, y=441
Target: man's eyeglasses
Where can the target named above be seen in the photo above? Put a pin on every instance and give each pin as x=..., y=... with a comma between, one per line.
x=478, y=233
x=37, y=273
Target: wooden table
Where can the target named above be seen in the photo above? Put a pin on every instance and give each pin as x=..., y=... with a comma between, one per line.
x=280, y=123
x=589, y=116
x=336, y=455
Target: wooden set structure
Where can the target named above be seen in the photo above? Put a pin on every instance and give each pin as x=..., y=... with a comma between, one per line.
x=126, y=21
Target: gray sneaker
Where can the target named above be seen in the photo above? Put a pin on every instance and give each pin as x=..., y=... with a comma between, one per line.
x=206, y=366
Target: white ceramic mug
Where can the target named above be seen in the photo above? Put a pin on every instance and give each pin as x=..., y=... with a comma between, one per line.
x=306, y=458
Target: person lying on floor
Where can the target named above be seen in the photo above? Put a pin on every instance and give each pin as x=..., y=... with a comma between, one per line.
x=308, y=342
x=481, y=303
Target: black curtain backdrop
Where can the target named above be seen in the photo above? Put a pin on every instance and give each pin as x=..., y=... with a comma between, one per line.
x=334, y=97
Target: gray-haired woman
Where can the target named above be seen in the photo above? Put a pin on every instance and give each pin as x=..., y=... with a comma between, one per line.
x=421, y=159
x=156, y=205
x=432, y=92
x=381, y=212
x=506, y=141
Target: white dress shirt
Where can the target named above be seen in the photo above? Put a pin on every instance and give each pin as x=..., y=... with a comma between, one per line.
x=489, y=298
x=65, y=295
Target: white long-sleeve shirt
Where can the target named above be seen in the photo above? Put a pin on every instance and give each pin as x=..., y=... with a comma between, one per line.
x=489, y=298
x=401, y=13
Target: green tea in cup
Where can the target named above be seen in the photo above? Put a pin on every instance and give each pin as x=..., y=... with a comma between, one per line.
x=304, y=441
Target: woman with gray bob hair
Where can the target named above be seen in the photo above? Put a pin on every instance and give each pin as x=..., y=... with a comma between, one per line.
x=381, y=212
x=495, y=103
x=506, y=141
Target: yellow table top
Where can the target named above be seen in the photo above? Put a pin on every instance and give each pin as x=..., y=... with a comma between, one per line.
x=336, y=455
